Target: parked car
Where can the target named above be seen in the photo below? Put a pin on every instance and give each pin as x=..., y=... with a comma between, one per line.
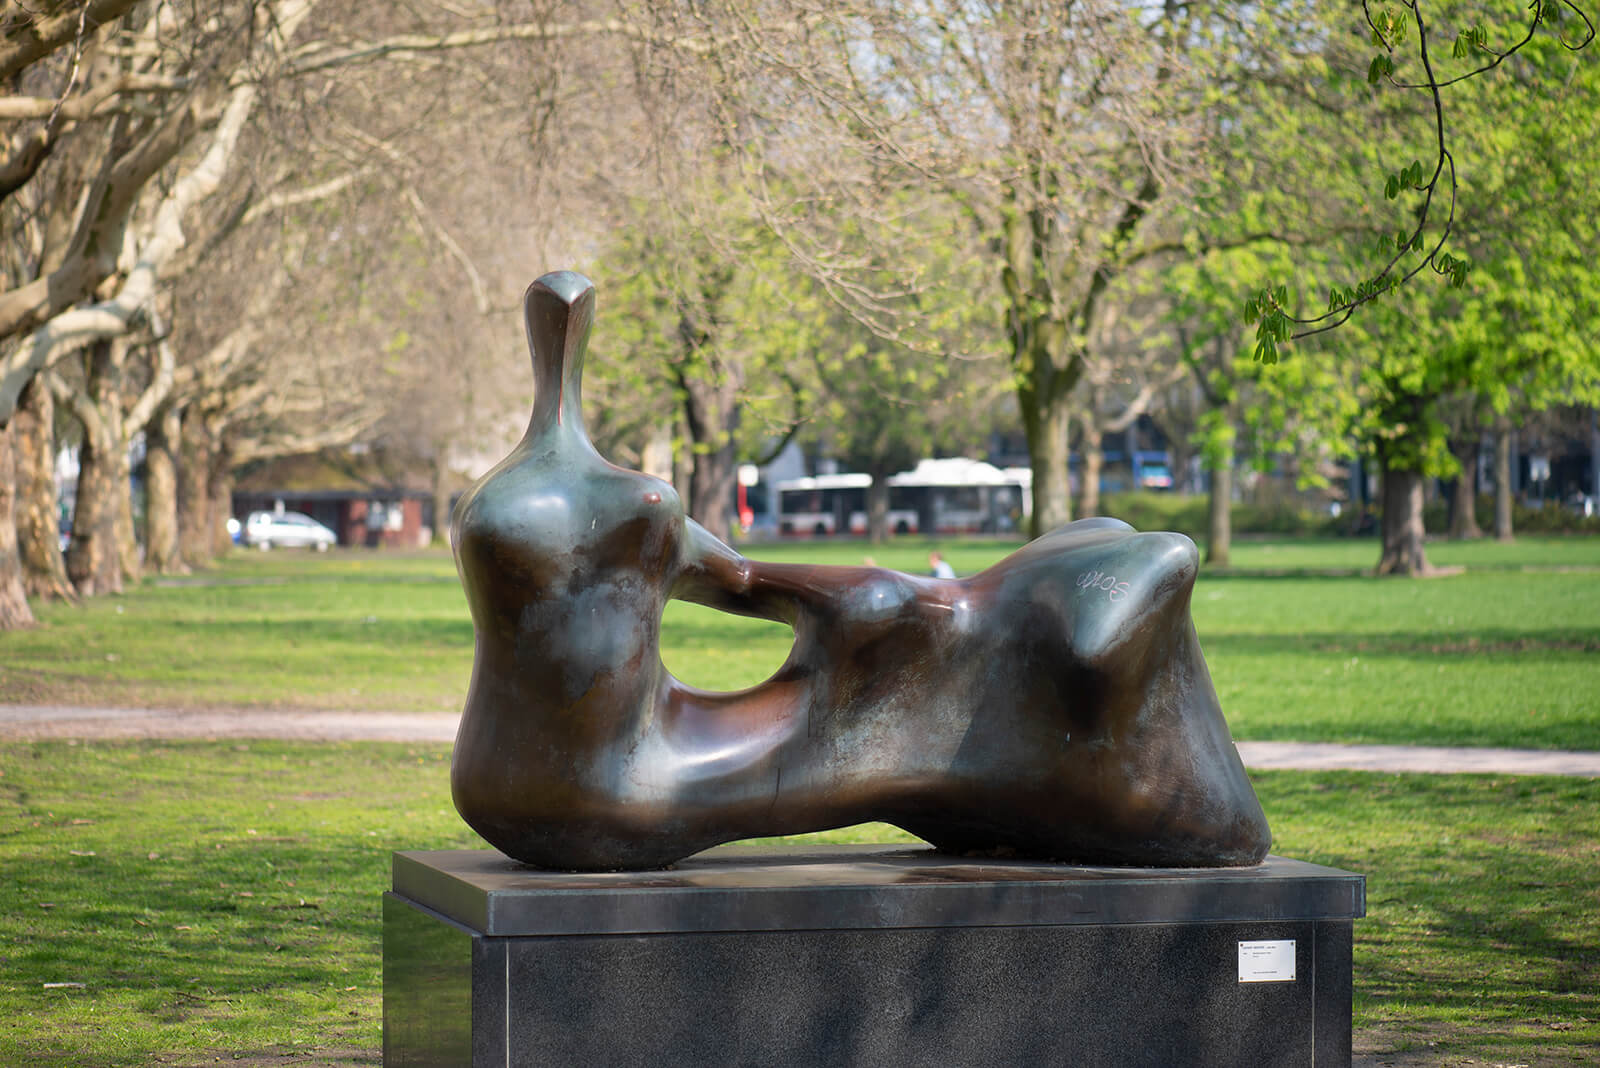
x=288, y=529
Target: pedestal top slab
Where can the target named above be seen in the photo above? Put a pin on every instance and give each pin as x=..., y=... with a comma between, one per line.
x=756, y=888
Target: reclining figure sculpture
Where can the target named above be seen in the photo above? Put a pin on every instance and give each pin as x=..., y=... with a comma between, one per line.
x=1054, y=706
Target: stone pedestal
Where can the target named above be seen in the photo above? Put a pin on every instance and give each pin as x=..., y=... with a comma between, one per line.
x=866, y=955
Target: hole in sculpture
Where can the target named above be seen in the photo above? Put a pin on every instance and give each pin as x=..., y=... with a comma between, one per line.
x=716, y=651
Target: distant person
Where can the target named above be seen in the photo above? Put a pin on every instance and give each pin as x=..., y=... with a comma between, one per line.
x=939, y=567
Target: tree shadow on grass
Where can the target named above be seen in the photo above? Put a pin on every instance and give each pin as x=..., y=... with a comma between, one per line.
x=1480, y=642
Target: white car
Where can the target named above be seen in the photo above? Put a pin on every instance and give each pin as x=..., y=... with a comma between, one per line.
x=288, y=529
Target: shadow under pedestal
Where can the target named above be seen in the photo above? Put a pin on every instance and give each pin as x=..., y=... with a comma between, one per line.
x=866, y=956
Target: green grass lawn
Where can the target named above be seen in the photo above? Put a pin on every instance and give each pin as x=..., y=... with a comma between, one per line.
x=219, y=900
x=198, y=900
x=1301, y=644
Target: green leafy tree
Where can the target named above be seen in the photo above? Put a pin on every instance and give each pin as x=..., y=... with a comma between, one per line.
x=712, y=330
x=1516, y=337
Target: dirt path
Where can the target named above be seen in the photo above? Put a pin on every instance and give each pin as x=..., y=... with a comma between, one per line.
x=38, y=722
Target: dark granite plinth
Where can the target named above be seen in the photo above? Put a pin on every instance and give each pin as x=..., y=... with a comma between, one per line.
x=864, y=955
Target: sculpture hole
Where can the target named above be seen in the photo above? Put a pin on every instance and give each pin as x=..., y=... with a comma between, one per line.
x=717, y=651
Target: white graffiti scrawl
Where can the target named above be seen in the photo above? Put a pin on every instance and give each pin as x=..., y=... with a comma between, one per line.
x=1099, y=580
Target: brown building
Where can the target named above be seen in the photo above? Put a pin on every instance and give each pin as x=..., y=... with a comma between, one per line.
x=373, y=511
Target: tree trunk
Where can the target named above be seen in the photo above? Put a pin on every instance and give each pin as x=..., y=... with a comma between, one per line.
x=1502, y=480
x=220, y=486
x=1402, y=523
x=441, y=501
x=878, y=504
x=125, y=538
x=38, y=515
x=711, y=488
x=1464, y=502
x=1046, y=366
x=14, y=610
x=1182, y=460
x=161, y=493
x=195, y=526
x=1219, y=512
x=711, y=412
x=1594, y=454
x=1047, y=429
x=1091, y=444
x=94, y=563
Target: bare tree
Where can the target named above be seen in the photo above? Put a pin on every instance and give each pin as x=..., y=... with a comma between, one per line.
x=1064, y=132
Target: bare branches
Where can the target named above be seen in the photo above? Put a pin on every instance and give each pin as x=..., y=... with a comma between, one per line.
x=288, y=198
x=27, y=39
x=66, y=330
x=322, y=55
x=102, y=100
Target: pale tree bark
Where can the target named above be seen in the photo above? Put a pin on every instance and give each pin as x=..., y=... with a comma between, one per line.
x=129, y=558
x=37, y=508
x=94, y=563
x=162, y=441
x=97, y=250
x=1502, y=479
x=109, y=424
x=1464, y=502
x=14, y=610
x=1402, y=523
x=49, y=299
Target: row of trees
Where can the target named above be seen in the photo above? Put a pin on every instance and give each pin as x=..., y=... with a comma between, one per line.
x=271, y=226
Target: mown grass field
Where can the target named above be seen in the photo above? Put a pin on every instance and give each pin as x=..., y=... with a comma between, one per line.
x=1302, y=645
x=207, y=900
x=176, y=903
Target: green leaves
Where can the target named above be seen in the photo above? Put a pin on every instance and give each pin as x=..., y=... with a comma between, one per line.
x=1388, y=27
x=1410, y=177
x=1454, y=268
x=1380, y=67
x=1265, y=312
x=1470, y=40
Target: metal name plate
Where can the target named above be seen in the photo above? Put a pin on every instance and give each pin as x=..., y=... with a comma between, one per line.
x=1266, y=962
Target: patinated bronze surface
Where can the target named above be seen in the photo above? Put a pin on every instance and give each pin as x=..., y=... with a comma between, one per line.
x=1056, y=705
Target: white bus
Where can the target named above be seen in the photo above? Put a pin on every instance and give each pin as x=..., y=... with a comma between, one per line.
x=832, y=504
x=961, y=496
x=950, y=496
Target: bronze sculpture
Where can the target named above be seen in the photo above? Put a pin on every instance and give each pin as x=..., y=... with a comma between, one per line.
x=1056, y=705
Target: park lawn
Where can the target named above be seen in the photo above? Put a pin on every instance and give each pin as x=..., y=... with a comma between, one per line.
x=221, y=900
x=1302, y=646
